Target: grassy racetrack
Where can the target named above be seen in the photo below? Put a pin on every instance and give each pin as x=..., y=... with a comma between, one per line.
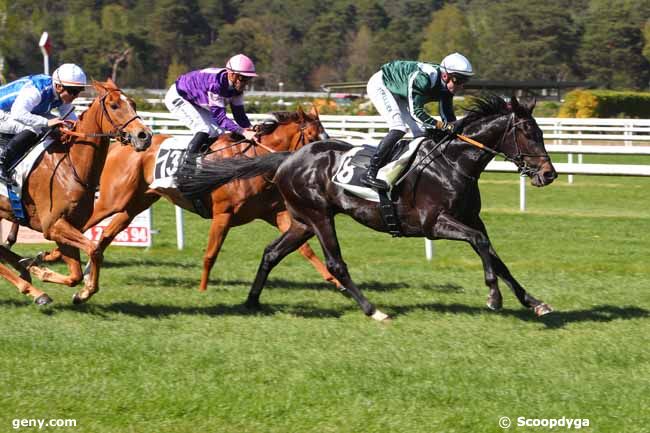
x=149, y=353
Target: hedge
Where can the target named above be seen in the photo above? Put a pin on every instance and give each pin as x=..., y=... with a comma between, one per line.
x=606, y=104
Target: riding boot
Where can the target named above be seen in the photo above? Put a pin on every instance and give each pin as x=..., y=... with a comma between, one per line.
x=378, y=160
x=194, y=147
x=14, y=149
x=197, y=142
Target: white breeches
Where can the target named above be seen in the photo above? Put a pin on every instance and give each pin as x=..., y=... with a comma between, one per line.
x=394, y=109
x=195, y=118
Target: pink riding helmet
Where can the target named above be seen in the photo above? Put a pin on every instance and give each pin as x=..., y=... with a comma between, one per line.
x=242, y=65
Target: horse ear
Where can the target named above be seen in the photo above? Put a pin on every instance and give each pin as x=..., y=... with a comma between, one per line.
x=514, y=103
x=99, y=87
x=314, y=111
x=530, y=106
x=300, y=112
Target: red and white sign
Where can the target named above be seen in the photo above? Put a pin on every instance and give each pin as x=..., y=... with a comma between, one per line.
x=137, y=234
x=45, y=44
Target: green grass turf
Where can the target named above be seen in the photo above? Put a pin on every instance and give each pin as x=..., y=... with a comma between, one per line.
x=149, y=353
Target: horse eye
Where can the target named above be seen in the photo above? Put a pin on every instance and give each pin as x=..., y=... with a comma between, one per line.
x=114, y=106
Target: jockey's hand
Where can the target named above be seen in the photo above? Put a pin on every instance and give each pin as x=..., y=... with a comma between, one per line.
x=249, y=134
x=450, y=128
x=53, y=123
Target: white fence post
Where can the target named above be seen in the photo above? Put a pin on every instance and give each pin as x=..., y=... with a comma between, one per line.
x=522, y=193
x=428, y=249
x=180, y=233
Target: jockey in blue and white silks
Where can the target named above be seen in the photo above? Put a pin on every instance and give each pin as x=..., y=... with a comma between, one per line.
x=199, y=99
x=26, y=105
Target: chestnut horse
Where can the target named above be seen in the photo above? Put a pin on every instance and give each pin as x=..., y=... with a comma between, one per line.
x=124, y=187
x=58, y=195
x=439, y=198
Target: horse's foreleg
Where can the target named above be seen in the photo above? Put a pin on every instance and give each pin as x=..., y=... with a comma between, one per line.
x=40, y=297
x=503, y=272
x=65, y=234
x=288, y=242
x=71, y=258
x=447, y=227
x=283, y=222
x=12, y=236
x=218, y=231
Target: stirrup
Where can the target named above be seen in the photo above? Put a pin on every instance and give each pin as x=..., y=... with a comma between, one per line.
x=375, y=183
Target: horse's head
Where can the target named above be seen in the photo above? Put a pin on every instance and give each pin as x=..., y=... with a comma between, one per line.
x=292, y=130
x=523, y=143
x=119, y=117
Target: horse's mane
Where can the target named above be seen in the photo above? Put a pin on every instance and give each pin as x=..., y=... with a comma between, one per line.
x=486, y=106
x=286, y=116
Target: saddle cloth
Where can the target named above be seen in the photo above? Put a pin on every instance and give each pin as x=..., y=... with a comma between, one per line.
x=355, y=163
x=19, y=175
x=168, y=160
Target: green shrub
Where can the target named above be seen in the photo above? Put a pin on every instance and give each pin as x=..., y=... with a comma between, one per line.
x=606, y=104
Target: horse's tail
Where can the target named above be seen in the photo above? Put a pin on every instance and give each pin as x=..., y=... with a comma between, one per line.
x=197, y=176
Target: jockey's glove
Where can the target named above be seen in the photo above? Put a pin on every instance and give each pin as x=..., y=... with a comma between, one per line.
x=451, y=128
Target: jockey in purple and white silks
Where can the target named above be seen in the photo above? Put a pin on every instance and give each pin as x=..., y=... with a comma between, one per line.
x=25, y=106
x=199, y=100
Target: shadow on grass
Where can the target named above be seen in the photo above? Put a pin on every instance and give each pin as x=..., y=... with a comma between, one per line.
x=280, y=283
x=557, y=319
x=145, y=311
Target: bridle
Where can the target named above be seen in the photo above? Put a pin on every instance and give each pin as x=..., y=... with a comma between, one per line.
x=117, y=133
x=518, y=159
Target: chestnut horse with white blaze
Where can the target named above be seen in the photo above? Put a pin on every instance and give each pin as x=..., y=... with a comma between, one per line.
x=58, y=194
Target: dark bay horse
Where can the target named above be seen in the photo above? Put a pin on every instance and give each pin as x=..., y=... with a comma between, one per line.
x=438, y=199
x=58, y=195
x=124, y=187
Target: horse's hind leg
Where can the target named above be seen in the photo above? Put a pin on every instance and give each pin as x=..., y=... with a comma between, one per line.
x=283, y=222
x=288, y=242
x=324, y=228
x=503, y=272
x=40, y=297
x=218, y=231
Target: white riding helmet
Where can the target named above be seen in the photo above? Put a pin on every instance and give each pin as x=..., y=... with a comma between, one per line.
x=456, y=63
x=69, y=75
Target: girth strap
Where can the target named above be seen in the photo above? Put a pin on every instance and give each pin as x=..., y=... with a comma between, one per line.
x=388, y=213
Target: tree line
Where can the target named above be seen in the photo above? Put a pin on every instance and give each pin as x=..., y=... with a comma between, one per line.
x=303, y=43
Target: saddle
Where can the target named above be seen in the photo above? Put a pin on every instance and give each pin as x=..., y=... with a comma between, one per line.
x=354, y=165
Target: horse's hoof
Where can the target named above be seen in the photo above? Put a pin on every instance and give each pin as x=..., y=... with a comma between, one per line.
x=543, y=309
x=76, y=299
x=380, y=316
x=494, y=305
x=44, y=299
x=27, y=262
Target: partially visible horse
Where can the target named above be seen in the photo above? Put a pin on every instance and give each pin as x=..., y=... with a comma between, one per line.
x=124, y=189
x=439, y=198
x=58, y=195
